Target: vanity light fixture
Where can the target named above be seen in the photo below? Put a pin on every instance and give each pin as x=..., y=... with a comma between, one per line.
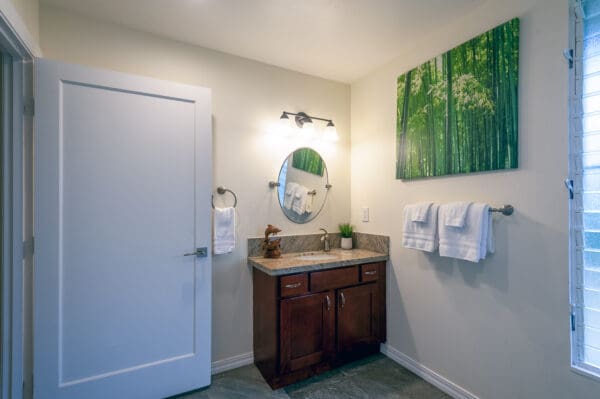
x=305, y=122
x=284, y=125
x=330, y=132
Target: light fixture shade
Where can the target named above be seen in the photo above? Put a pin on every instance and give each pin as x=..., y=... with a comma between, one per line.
x=308, y=128
x=285, y=127
x=331, y=133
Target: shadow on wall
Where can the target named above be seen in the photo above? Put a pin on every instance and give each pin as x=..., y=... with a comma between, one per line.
x=509, y=276
x=504, y=297
x=399, y=309
x=489, y=271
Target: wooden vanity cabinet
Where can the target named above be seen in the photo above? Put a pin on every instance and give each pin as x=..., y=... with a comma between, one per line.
x=307, y=331
x=307, y=323
x=358, y=320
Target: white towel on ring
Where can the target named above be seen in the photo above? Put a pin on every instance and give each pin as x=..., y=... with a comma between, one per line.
x=224, y=230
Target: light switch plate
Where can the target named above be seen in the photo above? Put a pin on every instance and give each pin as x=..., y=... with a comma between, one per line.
x=365, y=217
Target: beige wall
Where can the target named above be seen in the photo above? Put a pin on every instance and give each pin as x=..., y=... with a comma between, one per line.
x=500, y=328
x=23, y=15
x=28, y=10
x=247, y=97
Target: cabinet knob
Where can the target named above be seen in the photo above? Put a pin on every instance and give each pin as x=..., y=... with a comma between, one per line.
x=328, y=302
x=371, y=273
x=343, y=299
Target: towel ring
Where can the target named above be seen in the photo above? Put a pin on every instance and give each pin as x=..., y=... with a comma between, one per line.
x=222, y=190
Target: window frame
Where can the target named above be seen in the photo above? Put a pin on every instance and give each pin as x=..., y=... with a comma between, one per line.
x=576, y=245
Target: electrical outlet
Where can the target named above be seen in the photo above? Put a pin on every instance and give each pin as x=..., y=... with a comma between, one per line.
x=365, y=217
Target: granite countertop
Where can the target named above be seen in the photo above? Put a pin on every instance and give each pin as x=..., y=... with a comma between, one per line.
x=291, y=262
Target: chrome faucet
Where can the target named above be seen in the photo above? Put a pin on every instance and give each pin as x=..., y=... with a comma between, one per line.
x=325, y=239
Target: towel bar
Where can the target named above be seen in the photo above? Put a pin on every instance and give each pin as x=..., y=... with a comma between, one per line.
x=506, y=210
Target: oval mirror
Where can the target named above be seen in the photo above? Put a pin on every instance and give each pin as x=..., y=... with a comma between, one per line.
x=303, y=185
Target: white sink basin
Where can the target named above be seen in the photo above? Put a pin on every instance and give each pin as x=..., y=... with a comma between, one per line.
x=317, y=256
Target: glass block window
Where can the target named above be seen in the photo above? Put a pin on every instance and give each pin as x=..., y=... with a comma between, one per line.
x=585, y=175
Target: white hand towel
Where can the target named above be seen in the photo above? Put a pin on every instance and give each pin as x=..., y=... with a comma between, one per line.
x=420, y=235
x=491, y=246
x=485, y=231
x=288, y=195
x=419, y=212
x=309, y=204
x=224, y=230
x=470, y=241
x=299, y=204
x=456, y=213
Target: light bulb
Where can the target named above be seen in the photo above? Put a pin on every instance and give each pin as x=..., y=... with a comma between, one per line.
x=285, y=129
x=308, y=128
x=331, y=133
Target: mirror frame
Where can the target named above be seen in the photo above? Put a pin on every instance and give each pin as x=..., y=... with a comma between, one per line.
x=327, y=186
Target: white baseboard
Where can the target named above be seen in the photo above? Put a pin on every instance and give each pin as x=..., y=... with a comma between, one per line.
x=232, y=362
x=427, y=374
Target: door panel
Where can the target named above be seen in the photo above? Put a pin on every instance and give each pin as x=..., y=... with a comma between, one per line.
x=117, y=227
x=307, y=330
x=358, y=317
x=123, y=183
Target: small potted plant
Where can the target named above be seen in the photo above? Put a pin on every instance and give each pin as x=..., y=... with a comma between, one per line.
x=346, y=233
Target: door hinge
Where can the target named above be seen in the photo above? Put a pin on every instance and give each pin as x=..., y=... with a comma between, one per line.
x=29, y=106
x=28, y=247
x=569, y=185
x=569, y=53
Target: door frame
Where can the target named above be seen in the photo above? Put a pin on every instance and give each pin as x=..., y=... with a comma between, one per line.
x=17, y=130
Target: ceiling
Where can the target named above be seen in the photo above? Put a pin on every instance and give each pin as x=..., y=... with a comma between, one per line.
x=335, y=39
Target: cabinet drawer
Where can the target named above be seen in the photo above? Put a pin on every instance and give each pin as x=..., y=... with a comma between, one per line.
x=336, y=278
x=369, y=272
x=295, y=284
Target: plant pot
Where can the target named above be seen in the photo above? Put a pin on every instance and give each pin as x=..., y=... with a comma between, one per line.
x=346, y=242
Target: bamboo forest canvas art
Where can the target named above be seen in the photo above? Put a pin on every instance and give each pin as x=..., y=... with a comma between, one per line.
x=458, y=112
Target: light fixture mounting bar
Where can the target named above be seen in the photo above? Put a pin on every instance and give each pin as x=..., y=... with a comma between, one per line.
x=304, y=115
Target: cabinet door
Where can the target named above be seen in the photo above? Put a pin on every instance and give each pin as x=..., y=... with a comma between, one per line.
x=307, y=330
x=358, y=318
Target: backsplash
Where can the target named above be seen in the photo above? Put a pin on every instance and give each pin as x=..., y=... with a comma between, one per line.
x=372, y=242
x=312, y=242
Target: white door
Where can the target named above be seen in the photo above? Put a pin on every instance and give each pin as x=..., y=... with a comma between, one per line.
x=122, y=192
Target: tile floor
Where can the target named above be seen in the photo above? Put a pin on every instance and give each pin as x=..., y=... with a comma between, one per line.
x=370, y=378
